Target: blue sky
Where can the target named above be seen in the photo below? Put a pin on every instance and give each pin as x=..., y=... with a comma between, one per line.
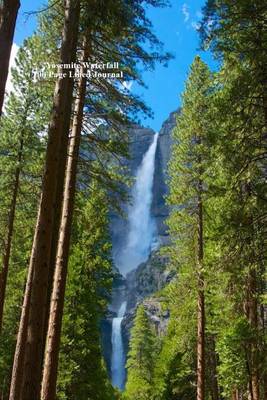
x=176, y=28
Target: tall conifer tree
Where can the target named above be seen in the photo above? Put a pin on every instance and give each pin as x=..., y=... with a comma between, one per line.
x=188, y=188
x=140, y=359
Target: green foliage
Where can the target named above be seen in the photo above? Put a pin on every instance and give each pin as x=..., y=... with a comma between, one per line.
x=82, y=373
x=140, y=358
x=174, y=373
x=232, y=347
x=189, y=172
x=189, y=162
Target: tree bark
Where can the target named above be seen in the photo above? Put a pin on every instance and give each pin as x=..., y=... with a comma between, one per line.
x=252, y=309
x=215, y=392
x=263, y=324
x=253, y=321
x=235, y=395
x=18, y=363
x=8, y=17
x=8, y=241
x=28, y=357
x=57, y=301
x=200, y=302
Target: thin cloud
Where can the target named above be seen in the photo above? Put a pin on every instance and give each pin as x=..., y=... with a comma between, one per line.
x=195, y=25
x=127, y=85
x=185, y=11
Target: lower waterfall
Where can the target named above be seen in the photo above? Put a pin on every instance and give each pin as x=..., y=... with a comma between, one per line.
x=118, y=358
x=141, y=232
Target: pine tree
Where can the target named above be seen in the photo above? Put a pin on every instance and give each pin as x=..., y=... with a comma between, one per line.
x=19, y=136
x=188, y=168
x=175, y=363
x=140, y=358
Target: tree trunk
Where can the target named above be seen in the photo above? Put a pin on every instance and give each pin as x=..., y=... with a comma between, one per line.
x=235, y=395
x=200, y=304
x=215, y=393
x=8, y=241
x=252, y=309
x=58, y=206
x=264, y=378
x=29, y=354
x=57, y=301
x=253, y=320
x=262, y=315
x=8, y=16
x=17, y=371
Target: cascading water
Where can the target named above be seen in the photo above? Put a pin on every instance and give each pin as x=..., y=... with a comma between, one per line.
x=117, y=361
x=141, y=231
x=141, y=225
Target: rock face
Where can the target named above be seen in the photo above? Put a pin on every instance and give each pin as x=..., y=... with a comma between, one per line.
x=140, y=140
x=157, y=315
x=152, y=275
x=160, y=189
x=149, y=278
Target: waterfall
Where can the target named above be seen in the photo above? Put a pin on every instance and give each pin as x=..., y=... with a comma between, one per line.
x=118, y=359
x=141, y=227
x=141, y=230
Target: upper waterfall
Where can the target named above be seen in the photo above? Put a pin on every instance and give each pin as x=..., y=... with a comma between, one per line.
x=141, y=227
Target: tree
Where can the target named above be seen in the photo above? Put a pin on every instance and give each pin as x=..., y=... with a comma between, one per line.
x=8, y=16
x=236, y=34
x=187, y=171
x=240, y=206
x=175, y=363
x=19, y=134
x=140, y=358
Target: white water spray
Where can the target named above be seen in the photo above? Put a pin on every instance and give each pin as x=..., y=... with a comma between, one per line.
x=141, y=225
x=117, y=360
